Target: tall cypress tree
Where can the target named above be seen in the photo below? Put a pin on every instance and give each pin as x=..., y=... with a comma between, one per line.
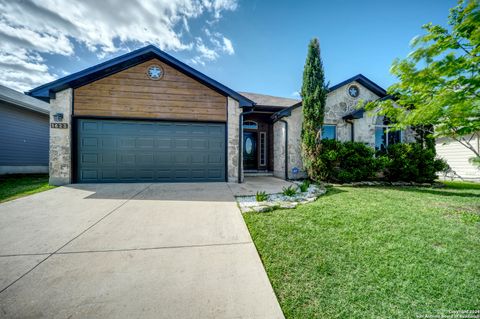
x=314, y=95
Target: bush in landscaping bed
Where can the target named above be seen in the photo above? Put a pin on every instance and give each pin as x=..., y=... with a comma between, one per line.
x=347, y=161
x=410, y=162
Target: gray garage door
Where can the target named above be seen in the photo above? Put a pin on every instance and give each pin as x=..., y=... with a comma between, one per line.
x=144, y=151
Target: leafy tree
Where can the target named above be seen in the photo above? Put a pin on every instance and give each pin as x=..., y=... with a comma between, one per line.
x=314, y=94
x=439, y=82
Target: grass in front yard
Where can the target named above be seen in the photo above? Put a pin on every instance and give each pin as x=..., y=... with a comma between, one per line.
x=374, y=252
x=15, y=186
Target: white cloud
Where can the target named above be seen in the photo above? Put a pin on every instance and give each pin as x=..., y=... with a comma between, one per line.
x=205, y=52
x=228, y=46
x=32, y=28
x=217, y=43
x=296, y=94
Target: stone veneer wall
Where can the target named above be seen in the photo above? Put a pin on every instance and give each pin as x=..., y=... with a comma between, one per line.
x=340, y=103
x=234, y=111
x=279, y=149
x=294, y=121
x=60, y=140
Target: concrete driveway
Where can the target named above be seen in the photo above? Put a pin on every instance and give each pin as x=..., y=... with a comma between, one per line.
x=130, y=251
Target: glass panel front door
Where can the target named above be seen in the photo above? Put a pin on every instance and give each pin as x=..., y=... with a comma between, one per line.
x=249, y=150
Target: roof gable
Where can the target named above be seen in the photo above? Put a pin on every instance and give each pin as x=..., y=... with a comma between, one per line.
x=363, y=80
x=75, y=80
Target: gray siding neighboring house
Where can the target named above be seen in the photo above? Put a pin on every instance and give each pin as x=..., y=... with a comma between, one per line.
x=24, y=133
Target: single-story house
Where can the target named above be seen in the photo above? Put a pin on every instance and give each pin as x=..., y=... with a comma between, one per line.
x=146, y=116
x=24, y=131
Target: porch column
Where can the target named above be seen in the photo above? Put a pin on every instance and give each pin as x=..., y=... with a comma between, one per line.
x=233, y=147
x=61, y=138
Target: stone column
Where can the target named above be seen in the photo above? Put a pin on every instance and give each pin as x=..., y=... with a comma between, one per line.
x=294, y=121
x=295, y=143
x=234, y=111
x=61, y=139
x=279, y=149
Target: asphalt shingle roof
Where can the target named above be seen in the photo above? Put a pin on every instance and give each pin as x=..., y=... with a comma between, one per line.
x=268, y=100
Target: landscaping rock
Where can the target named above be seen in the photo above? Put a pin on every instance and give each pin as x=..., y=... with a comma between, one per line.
x=274, y=201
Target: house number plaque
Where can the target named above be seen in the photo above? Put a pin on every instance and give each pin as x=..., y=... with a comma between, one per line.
x=59, y=125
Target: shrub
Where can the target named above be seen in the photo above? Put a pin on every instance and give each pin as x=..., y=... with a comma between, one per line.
x=261, y=196
x=410, y=162
x=304, y=186
x=289, y=191
x=347, y=161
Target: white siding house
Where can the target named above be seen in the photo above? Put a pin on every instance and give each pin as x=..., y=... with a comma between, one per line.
x=457, y=156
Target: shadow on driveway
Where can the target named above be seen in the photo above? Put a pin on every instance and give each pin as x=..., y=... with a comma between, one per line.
x=209, y=192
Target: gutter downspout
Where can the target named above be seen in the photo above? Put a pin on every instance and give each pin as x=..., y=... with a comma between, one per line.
x=286, y=148
x=352, y=133
x=240, y=142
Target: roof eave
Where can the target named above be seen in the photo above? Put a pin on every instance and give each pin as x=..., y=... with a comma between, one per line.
x=363, y=80
x=23, y=105
x=285, y=112
x=47, y=91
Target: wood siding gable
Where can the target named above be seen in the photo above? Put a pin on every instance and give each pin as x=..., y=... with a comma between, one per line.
x=132, y=94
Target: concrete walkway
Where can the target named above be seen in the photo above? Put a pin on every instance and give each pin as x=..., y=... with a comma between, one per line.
x=130, y=251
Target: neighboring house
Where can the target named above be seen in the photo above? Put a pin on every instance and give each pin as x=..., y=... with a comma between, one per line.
x=24, y=133
x=146, y=116
x=457, y=156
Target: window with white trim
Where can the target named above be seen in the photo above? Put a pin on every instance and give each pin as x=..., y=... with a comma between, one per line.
x=385, y=135
x=263, y=149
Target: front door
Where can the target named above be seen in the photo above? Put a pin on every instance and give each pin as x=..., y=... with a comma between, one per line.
x=249, y=150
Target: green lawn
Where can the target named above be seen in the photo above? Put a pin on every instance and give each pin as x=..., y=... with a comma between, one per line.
x=15, y=186
x=374, y=252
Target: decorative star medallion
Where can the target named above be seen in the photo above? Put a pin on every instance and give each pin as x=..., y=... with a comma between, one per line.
x=155, y=72
x=353, y=91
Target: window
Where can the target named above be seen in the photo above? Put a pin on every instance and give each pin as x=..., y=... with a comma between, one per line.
x=250, y=125
x=329, y=132
x=384, y=135
x=263, y=149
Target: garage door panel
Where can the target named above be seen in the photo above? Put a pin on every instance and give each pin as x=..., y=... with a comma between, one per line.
x=145, y=159
x=145, y=142
x=164, y=142
x=89, y=175
x=199, y=159
x=215, y=173
x=182, y=158
x=89, y=159
x=108, y=174
x=182, y=143
x=216, y=145
x=89, y=126
x=108, y=158
x=146, y=174
x=125, y=143
x=89, y=142
x=126, y=159
x=215, y=159
x=216, y=131
x=124, y=151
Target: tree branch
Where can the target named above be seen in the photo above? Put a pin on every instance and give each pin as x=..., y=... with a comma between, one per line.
x=467, y=145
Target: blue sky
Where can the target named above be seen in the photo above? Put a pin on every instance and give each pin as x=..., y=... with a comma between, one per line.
x=256, y=46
